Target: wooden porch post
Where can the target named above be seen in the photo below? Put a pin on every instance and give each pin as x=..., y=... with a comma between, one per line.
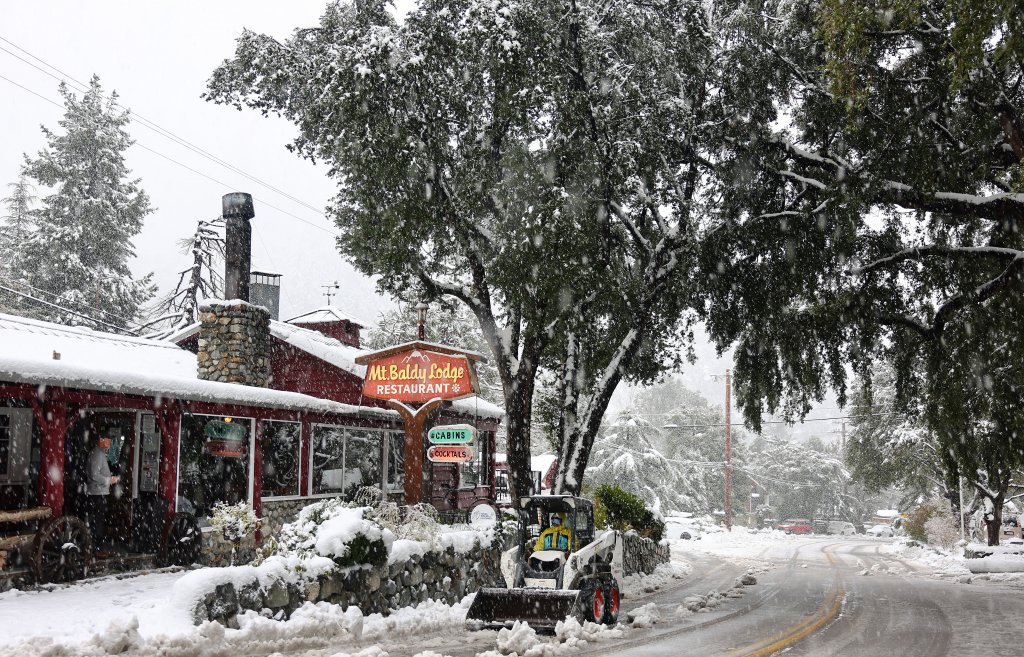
x=169, y=419
x=257, y=476
x=415, y=422
x=54, y=423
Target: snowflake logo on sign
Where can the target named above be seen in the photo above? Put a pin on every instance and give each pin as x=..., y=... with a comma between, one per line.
x=456, y=388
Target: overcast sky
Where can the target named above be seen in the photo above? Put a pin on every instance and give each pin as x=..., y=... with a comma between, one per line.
x=158, y=55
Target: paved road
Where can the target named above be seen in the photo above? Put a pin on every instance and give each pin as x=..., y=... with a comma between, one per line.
x=816, y=597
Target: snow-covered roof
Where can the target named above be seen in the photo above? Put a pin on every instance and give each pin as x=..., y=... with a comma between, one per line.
x=343, y=357
x=538, y=462
x=326, y=314
x=75, y=357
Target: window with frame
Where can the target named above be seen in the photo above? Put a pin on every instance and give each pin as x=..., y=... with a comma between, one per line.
x=477, y=472
x=363, y=458
x=328, y=459
x=396, y=461
x=345, y=459
x=214, y=463
x=280, y=444
x=5, y=444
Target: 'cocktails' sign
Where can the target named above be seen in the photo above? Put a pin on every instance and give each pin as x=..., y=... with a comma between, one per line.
x=419, y=376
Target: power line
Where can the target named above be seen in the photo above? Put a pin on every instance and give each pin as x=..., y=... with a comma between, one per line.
x=57, y=296
x=174, y=161
x=740, y=424
x=63, y=309
x=155, y=127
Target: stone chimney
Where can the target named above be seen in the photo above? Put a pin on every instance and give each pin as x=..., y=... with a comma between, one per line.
x=234, y=343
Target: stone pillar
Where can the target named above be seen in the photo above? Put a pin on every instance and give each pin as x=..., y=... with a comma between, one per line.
x=234, y=343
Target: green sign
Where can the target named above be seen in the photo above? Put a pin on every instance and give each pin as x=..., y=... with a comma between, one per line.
x=452, y=434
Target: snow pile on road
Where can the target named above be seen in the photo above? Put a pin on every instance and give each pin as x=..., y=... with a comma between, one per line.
x=521, y=640
x=644, y=616
x=640, y=583
x=941, y=562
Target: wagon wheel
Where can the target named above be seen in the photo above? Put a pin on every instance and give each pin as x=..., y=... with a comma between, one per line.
x=62, y=550
x=181, y=540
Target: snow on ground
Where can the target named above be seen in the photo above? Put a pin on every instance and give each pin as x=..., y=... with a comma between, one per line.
x=139, y=616
x=927, y=558
x=634, y=586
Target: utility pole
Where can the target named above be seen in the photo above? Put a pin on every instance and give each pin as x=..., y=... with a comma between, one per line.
x=728, y=450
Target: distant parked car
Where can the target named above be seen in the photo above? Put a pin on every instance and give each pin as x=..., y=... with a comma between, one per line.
x=680, y=528
x=884, y=531
x=840, y=527
x=796, y=526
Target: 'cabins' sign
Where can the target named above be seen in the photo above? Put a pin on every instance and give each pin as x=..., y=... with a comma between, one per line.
x=419, y=376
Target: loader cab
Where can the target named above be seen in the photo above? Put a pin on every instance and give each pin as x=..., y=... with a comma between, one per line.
x=551, y=527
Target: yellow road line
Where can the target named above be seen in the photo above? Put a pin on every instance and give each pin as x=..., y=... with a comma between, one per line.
x=828, y=610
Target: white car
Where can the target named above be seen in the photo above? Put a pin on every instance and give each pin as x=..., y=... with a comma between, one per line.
x=884, y=531
x=840, y=527
x=674, y=528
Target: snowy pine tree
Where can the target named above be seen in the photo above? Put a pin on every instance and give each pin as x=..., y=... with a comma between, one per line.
x=15, y=229
x=624, y=455
x=78, y=256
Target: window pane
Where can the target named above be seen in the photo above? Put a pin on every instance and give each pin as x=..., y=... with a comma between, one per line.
x=476, y=473
x=362, y=460
x=214, y=463
x=5, y=444
x=280, y=445
x=396, y=461
x=328, y=459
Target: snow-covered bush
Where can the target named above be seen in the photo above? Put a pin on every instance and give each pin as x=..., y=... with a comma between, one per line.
x=622, y=510
x=942, y=530
x=331, y=528
x=234, y=521
x=420, y=521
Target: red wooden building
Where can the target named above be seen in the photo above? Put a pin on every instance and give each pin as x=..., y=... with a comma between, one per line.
x=306, y=435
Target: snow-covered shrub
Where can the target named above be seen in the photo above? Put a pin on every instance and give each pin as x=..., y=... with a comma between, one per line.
x=331, y=528
x=622, y=510
x=942, y=530
x=234, y=521
x=915, y=523
x=419, y=524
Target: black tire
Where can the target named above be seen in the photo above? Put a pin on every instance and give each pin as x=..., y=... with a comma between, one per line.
x=62, y=550
x=182, y=540
x=611, y=603
x=591, y=601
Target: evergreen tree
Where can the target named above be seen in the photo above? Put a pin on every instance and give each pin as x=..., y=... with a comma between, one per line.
x=78, y=255
x=625, y=455
x=18, y=224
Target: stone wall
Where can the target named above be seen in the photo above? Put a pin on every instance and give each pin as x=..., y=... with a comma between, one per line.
x=276, y=514
x=642, y=555
x=216, y=551
x=445, y=576
x=234, y=343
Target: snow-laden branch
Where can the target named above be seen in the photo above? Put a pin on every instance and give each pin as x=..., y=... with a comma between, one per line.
x=920, y=252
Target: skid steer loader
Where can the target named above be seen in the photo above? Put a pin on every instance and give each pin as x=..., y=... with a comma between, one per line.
x=557, y=569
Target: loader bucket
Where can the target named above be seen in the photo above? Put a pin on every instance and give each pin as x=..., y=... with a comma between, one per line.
x=541, y=608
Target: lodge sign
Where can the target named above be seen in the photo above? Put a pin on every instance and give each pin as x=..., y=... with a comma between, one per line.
x=419, y=376
x=452, y=434
x=450, y=454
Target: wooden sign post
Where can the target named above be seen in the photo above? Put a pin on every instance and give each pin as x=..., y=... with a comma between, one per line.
x=416, y=378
